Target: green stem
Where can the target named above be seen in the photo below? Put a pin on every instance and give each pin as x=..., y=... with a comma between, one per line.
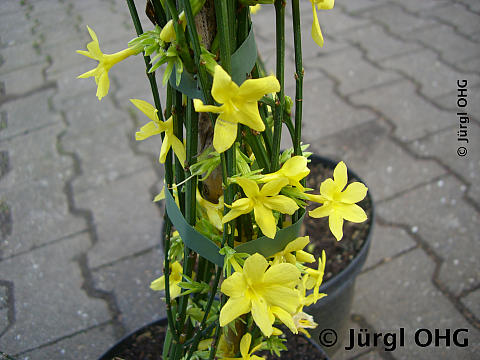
x=280, y=103
x=221, y=12
x=297, y=38
x=160, y=16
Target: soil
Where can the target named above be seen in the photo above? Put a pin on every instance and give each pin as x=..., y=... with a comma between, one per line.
x=147, y=344
x=339, y=253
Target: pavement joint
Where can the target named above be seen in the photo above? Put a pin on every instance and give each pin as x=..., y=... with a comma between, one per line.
x=388, y=259
x=121, y=259
x=12, y=97
x=403, y=144
x=467, y=7
x=438, y=260
x=10, y=304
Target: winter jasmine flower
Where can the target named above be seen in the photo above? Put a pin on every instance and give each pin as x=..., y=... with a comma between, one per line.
x=296, y=246
x=262, y=202
x=239, y=105
x=294, y=169
x=321, y=5
x=245, y=349
x=156, y=127
x=174, y=278
x=105, y=62
x=339, y=204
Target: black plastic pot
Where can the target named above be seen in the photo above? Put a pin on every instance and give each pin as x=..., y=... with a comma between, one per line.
x=333, y=311
x=116, y=350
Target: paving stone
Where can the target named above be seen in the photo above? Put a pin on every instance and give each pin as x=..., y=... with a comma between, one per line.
x=444, y=145
x=472, y=64
x=396, y=20
x=269, y=59
x=353, y=72
x=461, y=18
x=453, y=47
x=34, y=158
x=368, y=146
x=413, y=116
x=22, y=119
x=264, y=27
x=11, y=6
x=18, y=57
x=473, y=5
x=322, y=110
x=335, y=21
x=415, y=5
x=49, y=300
x=313, y=54
x=424, y=67
x=130, y=280
x=23, y=80
x=472, y=302
x=356, y=6
x=440, y=216
x=387, y=242
x=126, y=219
x=377, y=43
x=86, y=345
x=403, y=296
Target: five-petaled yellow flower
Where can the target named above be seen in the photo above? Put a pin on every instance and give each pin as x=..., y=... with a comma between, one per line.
x=245, y=349
x=239, y=105
x=262, y=202
x=294, y=169
x=321, y=5
x=105, y=62
x=339, y=204
x=156, y=127
x=296, y=246
x=174, y=278
x=265, y=293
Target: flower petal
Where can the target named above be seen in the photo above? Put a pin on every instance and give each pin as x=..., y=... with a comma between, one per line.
x=148, y=109
x=103, y=85
x=234, y=308
x=224, y=135
x=248, y=114
x=199, y=107
x=223, y=88
x=328, y=189
x=325, y=4
x=250, y=187
x=148, y=130
x=354, y=192
x=179, y=150
x=351, y=212
x=273, y=187
x=335, y=223
x=254, y=267
x=158, y=284
x=265, y=220
x=261, y=316
x=340, y=176
x=234, y=285
x=245, y=345
x=283, y=274
x=316, y=32
x=281, y=203
x=285, y=318
x=321, y=211
x=166, y=144
x=254, y=89
x=297, y=244
x=239, y=207
x=281, y=296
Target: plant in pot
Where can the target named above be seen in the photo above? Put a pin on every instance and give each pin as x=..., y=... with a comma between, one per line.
x=237, y=275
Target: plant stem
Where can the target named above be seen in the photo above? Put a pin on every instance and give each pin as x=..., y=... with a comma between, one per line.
x=280, y=103
x=221, y=11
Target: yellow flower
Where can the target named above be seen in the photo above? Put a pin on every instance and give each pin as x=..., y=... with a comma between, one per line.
x=314, y=280
x=174, y=278
x=294, y=169
x=304, y=321
x=239, y=106
x=214, y=211
x=262, y=202
x=156, y=127
x=321, y=5
x=260, y=291
x=105, y=62
x=245, y=349
x=338, y=204
x=255, y=8
x=296, y=246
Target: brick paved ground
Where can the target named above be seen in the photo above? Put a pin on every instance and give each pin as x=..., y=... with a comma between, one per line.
x=78, y=231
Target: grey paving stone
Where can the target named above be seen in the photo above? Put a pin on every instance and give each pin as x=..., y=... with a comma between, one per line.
x=453, y=47
x=472, y=64
x=18, y=57
x=335, y=21
x=23, y=80
x=400, y=294
x=368, y=146
x=472, y=302
x=130, y=280
x=424, y=68
x=313, y=54
x=269, y=59
x=11, y=6
x=86, y=345
x=126, y=219
x=264, y=27
x=440, y=216
x=353, y=72
x=396, y=20
x=377, y=43
x=413, y=116
x=387, y=242
x=471, y=4
x=61, y=307
x=356, y=6
x=444, y=145
x=414, y=5
x=22, y=119
x=461, y=18
x=322, y=110
x=34, y=158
